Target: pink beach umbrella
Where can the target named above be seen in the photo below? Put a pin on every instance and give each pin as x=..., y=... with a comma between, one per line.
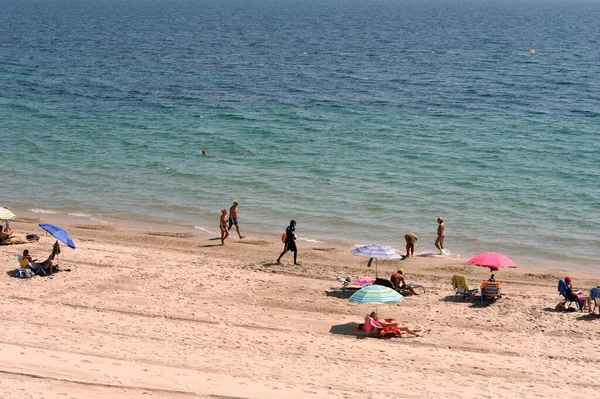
x=493, y=260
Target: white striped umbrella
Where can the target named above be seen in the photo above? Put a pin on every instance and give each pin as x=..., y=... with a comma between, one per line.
x=5, y=214
x=376, y=251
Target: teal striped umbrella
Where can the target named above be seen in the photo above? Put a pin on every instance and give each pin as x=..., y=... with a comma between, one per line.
x=377, y=294
x=5, y=214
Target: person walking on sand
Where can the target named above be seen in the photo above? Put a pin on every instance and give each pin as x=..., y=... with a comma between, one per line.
x=411, y=241
x=223, y=226
x=233, y=218
x=290, y=242
x=441, y=234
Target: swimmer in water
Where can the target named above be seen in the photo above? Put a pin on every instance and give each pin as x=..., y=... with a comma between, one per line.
x=206, y=154
x=249, y=152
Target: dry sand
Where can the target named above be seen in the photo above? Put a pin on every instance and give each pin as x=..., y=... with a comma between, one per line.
x=172, y=315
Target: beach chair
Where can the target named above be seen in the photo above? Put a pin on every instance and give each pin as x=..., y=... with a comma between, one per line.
x=459, y=283
x=403, y=292
x=373, y=327
x=562, y=292
x=38, y=271
x=352, y=285
x=490, y=290
x=595, y=298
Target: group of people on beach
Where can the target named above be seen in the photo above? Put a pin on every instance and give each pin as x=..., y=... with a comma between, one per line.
x=411, y=239
x=227, y=222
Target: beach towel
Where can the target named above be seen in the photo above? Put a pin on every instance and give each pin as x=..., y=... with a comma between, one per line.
x=459, y=282
x=373, y=326
x=370, y=323
x=23, y=273
x=55, y=250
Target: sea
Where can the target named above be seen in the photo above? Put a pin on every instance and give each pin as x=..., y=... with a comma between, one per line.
x=367, y=119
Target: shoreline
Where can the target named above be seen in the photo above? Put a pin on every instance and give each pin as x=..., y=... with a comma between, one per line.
x=175, y=227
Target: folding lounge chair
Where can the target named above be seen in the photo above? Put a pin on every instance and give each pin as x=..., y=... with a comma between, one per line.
x=38, y=271
x=357, y=284
x=402, y=291
x=595, y=298
x=490, y=290
x=562, y=292
x=459, y=283
x=372, y=326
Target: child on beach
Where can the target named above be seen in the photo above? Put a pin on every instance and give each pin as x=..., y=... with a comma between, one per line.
x=223, y=226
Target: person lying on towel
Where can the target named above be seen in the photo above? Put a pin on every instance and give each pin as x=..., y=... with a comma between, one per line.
x=8, y=238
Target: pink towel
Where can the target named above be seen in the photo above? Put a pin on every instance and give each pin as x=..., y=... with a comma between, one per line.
x=370, y=323
x=362, y=282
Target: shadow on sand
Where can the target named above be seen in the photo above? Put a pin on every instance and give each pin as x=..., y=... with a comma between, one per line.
x=339, y=294
x=346, y=329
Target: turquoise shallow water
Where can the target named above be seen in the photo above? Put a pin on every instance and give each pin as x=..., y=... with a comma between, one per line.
x=367, y=120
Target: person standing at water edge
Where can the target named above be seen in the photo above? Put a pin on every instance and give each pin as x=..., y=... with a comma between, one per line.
x=441, y=234
x=411, y=241
x=223, y=226
x=233, y=218
x=290, y=242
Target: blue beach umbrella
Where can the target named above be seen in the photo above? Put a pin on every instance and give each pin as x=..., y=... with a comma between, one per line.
x=377, y=294
x=59, y=234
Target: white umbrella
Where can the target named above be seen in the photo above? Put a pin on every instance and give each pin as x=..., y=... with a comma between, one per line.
x=376, y=251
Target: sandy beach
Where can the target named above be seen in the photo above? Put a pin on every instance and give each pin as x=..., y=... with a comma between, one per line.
x=146, y=313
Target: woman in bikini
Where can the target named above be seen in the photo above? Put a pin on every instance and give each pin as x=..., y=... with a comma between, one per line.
x=223, y=226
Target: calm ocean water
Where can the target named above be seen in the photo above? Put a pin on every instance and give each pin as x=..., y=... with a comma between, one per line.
x=368, y=119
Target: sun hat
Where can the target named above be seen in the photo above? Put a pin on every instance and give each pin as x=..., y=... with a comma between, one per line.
x=568, y=278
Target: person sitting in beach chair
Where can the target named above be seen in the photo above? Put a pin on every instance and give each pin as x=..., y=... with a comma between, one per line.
x=490, y=290
x=459, y=283
x=595, y=298
x=399, y=284
x=565, y=289
x=43, y=268
x=385, y=327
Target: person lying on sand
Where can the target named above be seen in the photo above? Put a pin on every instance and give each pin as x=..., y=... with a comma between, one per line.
x=7, y=237
x=27, y=259
x=393, y=322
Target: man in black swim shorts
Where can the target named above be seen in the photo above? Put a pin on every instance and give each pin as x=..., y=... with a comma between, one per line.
x=290, y=242
x=233, y=218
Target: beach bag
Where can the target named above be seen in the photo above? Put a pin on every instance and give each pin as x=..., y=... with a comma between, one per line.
x=24, y=273
x=283, y=237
